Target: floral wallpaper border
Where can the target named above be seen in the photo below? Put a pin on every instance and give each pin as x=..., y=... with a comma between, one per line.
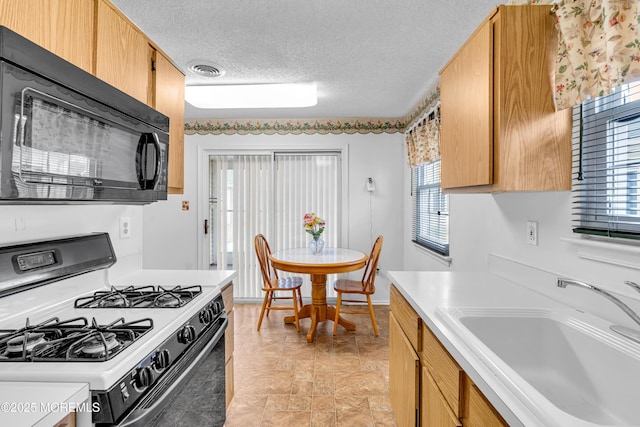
x=293, y=126
x=428, y=102
x=312, y=126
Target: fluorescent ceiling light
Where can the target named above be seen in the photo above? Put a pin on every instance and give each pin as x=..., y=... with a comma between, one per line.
x=289, y=95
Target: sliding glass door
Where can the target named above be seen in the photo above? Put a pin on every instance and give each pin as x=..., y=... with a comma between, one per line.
x=269, y=194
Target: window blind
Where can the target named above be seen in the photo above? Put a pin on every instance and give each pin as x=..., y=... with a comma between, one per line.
x=430, y=223
x=606, y=164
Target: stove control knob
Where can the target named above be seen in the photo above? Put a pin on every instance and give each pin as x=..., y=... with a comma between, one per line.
x=187, y=334
x=218, y=307
x=162, y=360
x=144, y=377
x=206, y=316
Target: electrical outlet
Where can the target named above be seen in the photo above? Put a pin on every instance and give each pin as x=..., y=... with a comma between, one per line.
x=532, y=233
x=125, y=227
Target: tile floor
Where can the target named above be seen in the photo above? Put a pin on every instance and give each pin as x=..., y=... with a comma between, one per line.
x=282, y=380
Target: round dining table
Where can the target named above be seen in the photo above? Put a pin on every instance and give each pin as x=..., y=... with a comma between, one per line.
x=329, y=261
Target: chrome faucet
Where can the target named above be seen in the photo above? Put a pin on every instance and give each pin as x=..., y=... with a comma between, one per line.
x=632, y=334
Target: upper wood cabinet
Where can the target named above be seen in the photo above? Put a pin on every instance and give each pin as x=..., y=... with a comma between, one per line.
x=123, y=56
x=128, y=60
x=64, y=27
x=499, y=127
x=97, y=37
x=169, y=100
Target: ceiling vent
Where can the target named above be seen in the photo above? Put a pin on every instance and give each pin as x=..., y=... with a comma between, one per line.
x=206, y=69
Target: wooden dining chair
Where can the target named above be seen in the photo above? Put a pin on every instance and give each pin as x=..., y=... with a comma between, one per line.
x=271, y=283
x=362, y=287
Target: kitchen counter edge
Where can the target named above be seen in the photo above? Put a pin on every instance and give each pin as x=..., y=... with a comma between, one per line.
x=427, y=290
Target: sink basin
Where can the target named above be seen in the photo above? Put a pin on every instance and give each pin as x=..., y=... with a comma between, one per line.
x=566, y=366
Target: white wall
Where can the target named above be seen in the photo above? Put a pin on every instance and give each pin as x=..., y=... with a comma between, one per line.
x=171, y=234
x=38, y=222
x=488, y=232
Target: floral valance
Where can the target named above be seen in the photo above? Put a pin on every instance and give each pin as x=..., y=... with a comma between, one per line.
x=598, y=48
x=423, y=140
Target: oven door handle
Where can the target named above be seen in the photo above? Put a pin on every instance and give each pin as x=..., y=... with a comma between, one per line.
x=142, y=413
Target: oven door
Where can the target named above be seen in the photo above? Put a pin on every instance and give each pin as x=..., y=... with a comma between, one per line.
x=150, y=409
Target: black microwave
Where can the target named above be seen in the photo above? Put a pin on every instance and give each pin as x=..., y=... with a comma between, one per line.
x=67, y=136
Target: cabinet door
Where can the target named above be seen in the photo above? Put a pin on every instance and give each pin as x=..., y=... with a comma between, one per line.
x=227, y=296
x=445, y=371
x=434, y=411
x=228, y=367
x=169, y=100
x=64, y=27
x=478, y=411
x=404, y=375
x=532, y=142
x=122, y=54
x=466, y=104
x=68, y=421
x=407, y=318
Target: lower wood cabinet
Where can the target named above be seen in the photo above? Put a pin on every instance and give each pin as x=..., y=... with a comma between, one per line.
x=68, y=421
x=478, y=412
x=434, y=409
x=404, y=375
x=428, y=388
x=227, y=296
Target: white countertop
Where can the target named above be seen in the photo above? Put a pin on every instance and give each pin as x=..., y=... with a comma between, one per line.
x=41, y=404
x=174, y=278
x=426, y=291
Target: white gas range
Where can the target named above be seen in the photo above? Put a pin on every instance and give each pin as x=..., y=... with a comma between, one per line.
x=135, y=340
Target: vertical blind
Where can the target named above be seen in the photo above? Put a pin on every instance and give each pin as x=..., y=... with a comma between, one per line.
x=606, y=164
x=307, y=183
x=240, y=207
x=269, y=194
x=430, y=224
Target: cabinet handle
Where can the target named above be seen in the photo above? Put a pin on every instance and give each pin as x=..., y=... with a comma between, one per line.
x=206, y=226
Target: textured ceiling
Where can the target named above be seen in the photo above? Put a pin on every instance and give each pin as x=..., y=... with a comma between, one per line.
x=369, y=58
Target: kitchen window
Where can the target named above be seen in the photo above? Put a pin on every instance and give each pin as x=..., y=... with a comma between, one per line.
x=606, y=164
x=430, y=222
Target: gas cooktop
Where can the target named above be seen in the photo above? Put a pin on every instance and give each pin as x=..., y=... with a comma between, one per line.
x=140, y=297
x=72, y=340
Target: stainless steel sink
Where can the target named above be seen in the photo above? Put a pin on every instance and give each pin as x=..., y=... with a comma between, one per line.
x=566, y=366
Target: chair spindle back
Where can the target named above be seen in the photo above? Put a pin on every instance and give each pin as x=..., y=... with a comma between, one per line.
x=263, y=251
x=369, y=275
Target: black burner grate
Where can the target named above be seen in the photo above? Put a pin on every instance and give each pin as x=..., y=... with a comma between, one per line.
x=140, y=297
x=73, y=340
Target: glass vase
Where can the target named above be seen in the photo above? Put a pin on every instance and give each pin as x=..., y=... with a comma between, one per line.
x=316, y=246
